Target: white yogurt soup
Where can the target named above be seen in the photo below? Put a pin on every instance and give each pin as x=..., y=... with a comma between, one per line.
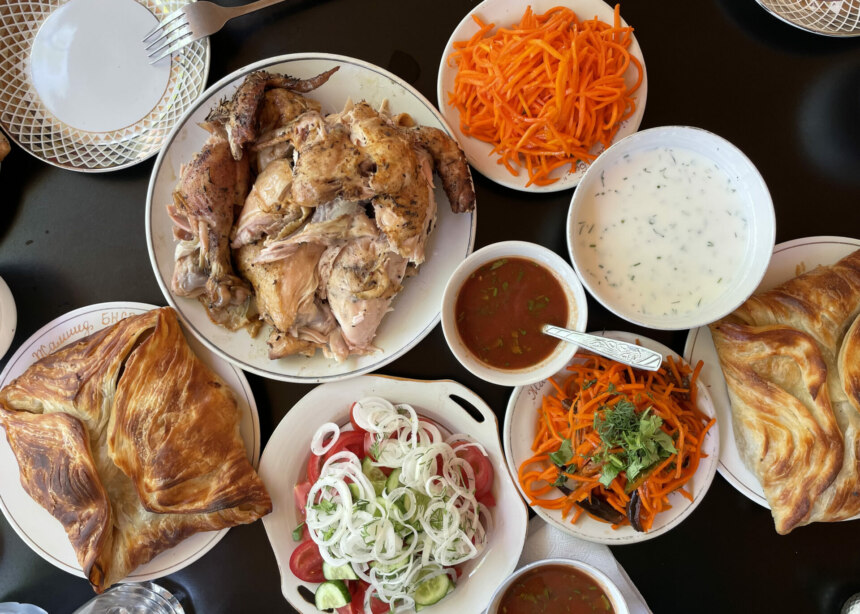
x=663, y=232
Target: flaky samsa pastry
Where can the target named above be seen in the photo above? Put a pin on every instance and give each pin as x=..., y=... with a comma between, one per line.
x=791, y=359
x=132, y=443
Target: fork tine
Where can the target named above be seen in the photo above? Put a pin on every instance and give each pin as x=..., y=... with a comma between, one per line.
x=169, y=48
x=170, y=35
x=164, y=23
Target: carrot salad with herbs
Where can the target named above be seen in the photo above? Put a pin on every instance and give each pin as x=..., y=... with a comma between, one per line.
x=613, y=442
x=546, y=90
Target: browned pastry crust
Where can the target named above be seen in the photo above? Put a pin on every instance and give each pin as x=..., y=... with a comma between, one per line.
x=66, y=484
x=192, y=458
x=132, y=443
x=5, y=148
x=791, y=359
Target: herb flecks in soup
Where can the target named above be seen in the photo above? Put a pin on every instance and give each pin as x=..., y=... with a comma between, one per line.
x=555, y=589
x=663, y=232
x=501, y=307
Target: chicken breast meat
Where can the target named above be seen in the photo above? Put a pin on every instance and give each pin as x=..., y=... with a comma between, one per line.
x=337, y=215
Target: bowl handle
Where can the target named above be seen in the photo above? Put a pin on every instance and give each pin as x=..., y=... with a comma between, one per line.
x=490, y=424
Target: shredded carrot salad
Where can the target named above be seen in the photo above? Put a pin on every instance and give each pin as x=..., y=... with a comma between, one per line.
x=545, y=91
x=616, y=438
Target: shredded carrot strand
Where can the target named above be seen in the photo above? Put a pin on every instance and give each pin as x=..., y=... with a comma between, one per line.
x=546, y=92
x=595, y=384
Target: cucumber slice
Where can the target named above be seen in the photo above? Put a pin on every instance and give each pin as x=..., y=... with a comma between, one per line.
x=353, y=490
x=344, y=572
x=331, y=594
x=374, y=474
x=393, y=480
x=430, y=591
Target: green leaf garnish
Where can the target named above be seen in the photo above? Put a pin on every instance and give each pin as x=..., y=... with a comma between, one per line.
x=298, y=531
x=639, y=435
x=563, y=455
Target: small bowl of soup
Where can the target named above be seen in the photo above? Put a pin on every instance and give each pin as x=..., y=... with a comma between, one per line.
x=495, y=304
x=558, y=586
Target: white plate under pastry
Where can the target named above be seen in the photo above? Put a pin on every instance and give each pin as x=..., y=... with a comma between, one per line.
x=519, y=431
x=8, y=317
x=35, y=525
x=285, y=458
x=789, y=260
x=76, y=86
x=416, y=309
x=505, y=13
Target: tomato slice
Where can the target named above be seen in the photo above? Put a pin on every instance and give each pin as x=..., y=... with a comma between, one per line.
x=314, y=468
x=377, y=606
x=348, y=440
x=482, y=467
x=352, y=418
x=487, y=499
x=300, y=495
x=306, y=562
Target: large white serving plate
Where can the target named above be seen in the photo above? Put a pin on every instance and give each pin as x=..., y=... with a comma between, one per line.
x=789, y=260
x=416, y=308
x=44, y=533
x=284, y=461
x=519, y=433
x=505, y=13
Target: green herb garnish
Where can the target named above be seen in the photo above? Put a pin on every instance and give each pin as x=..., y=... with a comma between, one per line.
x=639, y=436
x=563, y=455
x=298, y=531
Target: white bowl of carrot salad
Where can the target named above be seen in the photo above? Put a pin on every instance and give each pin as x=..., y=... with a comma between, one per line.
x=611, y=454
x=535, y=91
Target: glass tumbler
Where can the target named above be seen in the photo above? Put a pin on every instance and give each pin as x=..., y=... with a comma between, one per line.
x=133, y=598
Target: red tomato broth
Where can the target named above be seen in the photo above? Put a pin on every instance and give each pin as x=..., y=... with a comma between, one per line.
x=555, y=589
x=501, y=307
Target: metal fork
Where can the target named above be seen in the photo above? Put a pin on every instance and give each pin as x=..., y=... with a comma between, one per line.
x=191, y=22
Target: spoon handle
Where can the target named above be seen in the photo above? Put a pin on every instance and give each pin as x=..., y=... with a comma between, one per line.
x=628, y=353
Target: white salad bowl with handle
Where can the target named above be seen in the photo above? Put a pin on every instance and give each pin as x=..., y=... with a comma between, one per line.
x=284, y=462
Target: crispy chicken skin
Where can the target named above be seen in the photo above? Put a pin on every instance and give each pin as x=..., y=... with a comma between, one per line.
x=340, y=209
x=240, y=115
x=211, y=189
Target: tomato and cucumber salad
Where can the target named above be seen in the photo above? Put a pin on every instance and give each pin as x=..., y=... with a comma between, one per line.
x=393, y=506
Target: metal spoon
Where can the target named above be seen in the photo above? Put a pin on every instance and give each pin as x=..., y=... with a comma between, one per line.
x=628, y=353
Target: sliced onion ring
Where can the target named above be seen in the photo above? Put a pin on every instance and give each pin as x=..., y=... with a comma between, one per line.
x=318, y=446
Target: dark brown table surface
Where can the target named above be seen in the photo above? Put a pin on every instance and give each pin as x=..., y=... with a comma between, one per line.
x=790, y=100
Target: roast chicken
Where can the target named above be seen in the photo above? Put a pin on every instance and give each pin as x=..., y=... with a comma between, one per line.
x=322, y=215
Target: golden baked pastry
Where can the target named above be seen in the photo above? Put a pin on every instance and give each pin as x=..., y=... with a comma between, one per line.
x=791, y=359
x=130, y=441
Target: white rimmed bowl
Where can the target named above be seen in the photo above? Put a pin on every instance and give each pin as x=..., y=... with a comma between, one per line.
x=650, y=252
x=577, y=312
x=283, y=463
x=518, y=433
x=505, y=13
x=610, y=589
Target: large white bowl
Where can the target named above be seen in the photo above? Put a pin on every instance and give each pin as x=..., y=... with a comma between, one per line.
x=415, y=310
x=757, y=208
x=283, y=466
x=610, y=589
x=577, y=312
x=505, y=13
x=518, y=433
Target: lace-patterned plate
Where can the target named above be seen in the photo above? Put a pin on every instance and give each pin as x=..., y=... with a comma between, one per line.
x=91, y=139
x=826, y=17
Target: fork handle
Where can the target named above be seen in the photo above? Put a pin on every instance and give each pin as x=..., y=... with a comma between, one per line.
x=244, y=9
